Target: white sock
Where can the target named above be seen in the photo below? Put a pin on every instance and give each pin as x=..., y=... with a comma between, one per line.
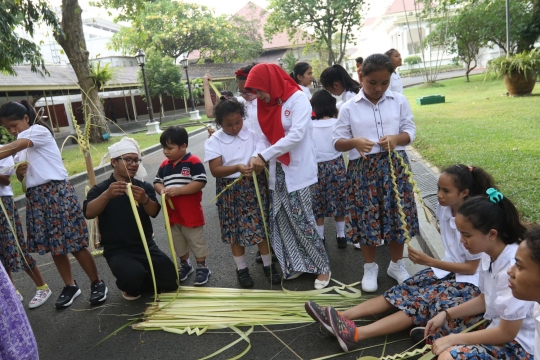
x=320, y=230
x=240, y=262
x=340, y=228
x=188, y=261
x=267, y=259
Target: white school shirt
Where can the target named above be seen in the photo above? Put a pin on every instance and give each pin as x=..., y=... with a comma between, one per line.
x=323, y=133
x=6, y=163
x=251, y=120
x=45, y=161
x=500, y=303
x=306, y=91
x=361, y=118
x=537, y=334
x=346, y=96
x=232, y=149
x=395, y=83
x=297, y=124
x=454, y=250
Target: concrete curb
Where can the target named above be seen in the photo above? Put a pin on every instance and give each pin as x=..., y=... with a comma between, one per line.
x=77, y=179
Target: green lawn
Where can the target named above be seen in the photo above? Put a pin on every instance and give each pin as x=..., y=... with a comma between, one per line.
x=478, y=126
x=74, y=160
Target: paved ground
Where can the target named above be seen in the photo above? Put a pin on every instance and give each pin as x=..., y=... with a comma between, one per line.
x=73, y=332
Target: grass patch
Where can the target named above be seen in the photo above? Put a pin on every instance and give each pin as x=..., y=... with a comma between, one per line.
x=478, y=126
x=74, y=160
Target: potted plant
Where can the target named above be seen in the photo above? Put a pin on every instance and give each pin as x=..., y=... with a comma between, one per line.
x=519, y=71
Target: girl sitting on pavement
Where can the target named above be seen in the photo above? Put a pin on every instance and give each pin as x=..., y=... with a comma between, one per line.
x=329, y=193
x=491, y=226
x=525, y=277
x=445, y=284
x=228, y=152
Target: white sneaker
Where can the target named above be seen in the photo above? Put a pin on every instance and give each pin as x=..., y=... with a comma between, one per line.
x=369, y=280
x=39, y=298
x=397, y=271
x=19, y=295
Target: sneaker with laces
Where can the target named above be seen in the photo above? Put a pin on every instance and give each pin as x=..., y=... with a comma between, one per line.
x=39, y=298
x=417, y=336
x=202, y=274
x=184, y=271
x=318, y=313
x=344, y=329
x=397, y=271
x=69, y=293
x=19, y=295
x=98, y=292
x=369, y=280
x=244, y=278
x=341, y=242
x=272, y=274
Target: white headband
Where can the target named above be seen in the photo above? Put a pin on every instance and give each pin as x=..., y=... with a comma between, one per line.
x=126, y=146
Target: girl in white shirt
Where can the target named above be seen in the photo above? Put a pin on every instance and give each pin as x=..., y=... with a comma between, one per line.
x=228, y=152
x=395, y=80
x=445, y=284
x=525, y=277
x=329, y=193
x=374, y=122
x=54, y=220
x=302, y=74
x=10, y=254
x=491, y=226
x=285, y=117
x=336, y=80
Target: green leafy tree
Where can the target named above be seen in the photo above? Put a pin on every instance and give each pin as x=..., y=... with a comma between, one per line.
x=412, y=60
x=25, y=15
x=239, y=43
x=170, y=27
x=323, y=19
x=464, y=34
x=289, y=60
x=162, y=75
x=71, y=38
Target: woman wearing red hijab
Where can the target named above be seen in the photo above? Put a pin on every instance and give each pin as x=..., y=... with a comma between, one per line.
x=284, y=114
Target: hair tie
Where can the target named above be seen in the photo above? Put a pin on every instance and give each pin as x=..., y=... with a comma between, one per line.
x=494, y=195
x=223, y=98
x=470, y=168
x=240, y=73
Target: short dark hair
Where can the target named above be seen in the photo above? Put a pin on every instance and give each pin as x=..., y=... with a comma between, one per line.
x=377, y=62
x=245, y=69
x=337, y=73
x=532, y=239
x=359, y=60
x=226, y=106
x=484, y=215
x=174, y=135
x=472, y=178
x=299, y=69
x=323, y=104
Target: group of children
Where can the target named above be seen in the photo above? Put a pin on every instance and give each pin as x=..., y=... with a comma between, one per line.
x=271, y=140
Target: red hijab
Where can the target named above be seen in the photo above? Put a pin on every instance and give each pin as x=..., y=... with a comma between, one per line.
x=271, y=79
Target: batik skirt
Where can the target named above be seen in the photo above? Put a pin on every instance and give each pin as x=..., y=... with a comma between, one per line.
x=372, y=204
x=239, y=213
x=423, y=295
x=54, y=219
x=293, y=231
x=509, y=351
x=10, y=253
x=329, y=193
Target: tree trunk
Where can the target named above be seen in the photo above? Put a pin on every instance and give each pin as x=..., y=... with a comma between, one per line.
x=74, y=46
